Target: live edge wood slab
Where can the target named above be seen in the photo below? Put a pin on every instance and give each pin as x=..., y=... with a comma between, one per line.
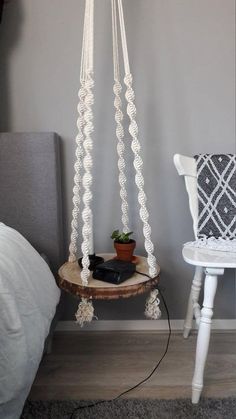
x=70, y=281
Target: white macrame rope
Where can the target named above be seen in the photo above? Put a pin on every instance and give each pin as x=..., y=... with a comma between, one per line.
x=133, y=130
x=85, y=312
x=79, y=142
x=91, y=36
x=115, y=41
x=152, y=309
x=77, y=178
x=139, y=180
x=117, y=88
x=84, y=54
x=123, y=37
x=85, y=128
x=88, y=145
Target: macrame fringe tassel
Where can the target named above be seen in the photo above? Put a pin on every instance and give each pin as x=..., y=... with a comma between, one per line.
x=152, y=310
x=85, y=312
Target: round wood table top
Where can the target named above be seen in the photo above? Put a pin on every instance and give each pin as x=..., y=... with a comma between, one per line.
x=70, y=281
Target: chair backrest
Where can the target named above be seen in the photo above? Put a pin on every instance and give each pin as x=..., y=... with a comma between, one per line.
x=186, y=166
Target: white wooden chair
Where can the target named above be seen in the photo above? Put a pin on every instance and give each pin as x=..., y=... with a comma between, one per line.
x=210, y=262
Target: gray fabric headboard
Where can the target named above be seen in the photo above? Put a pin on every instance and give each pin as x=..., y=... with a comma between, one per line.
x=30, y=190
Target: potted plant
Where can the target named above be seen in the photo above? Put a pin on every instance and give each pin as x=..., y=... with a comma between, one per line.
x=124, y=245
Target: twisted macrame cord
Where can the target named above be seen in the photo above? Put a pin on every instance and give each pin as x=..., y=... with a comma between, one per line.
x=133, y=130
x=117, y=88
x=84, y=146
x=83, y=139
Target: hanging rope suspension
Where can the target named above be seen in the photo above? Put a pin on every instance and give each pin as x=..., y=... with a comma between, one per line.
x=133, y=130
x=79, y=153
x=85, y=312
x=88, y=145
x=85, y=128
x=84, y=145
x=117, y=88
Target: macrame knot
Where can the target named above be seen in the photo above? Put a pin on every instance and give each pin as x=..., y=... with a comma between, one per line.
x=85, y=312
x=152, y=310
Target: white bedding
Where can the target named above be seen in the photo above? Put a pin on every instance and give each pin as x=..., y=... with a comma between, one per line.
x=28, y=300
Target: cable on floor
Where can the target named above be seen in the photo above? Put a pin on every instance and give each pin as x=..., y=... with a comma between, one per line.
x=72, y=416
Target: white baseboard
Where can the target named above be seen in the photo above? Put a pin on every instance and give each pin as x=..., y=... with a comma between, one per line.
x=140, y=325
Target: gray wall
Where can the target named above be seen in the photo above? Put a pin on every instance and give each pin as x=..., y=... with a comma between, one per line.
x=182, y=59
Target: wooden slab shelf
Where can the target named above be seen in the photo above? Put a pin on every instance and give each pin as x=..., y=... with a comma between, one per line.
x=70, y=281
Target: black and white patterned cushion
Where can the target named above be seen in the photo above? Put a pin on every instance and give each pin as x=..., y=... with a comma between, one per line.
x=216, y=185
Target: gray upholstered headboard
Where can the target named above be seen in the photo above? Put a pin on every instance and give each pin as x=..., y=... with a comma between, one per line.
x=30, y=190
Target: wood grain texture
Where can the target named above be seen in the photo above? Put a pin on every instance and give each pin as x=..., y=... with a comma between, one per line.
x=101, y=365
x=70, y=281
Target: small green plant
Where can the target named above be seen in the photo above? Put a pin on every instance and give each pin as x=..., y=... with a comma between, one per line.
x=121, y=237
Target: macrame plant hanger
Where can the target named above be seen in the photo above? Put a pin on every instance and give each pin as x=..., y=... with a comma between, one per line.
x=84, y=162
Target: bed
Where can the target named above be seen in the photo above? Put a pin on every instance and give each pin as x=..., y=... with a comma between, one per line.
x=31, y=240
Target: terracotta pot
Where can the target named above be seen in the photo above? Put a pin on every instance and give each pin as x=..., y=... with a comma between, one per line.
x=125, y=250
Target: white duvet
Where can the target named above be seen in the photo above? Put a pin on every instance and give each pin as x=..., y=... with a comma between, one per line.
x=28, y=300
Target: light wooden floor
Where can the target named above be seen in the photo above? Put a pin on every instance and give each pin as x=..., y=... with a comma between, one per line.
x=88, y=365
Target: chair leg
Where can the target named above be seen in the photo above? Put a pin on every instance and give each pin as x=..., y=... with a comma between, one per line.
x=193, y=300
x=204, y=330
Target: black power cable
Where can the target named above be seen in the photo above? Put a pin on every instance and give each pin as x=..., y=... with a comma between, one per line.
x=149, y=375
